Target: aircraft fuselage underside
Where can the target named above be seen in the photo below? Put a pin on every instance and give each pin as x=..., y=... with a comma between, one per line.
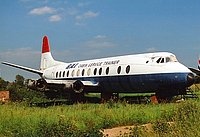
x=145, y=83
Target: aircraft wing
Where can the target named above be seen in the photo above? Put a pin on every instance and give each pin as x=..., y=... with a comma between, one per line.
x=23, y=68
x=196, y=71
x=85, y=83
x=90, y=83
x=75, y=85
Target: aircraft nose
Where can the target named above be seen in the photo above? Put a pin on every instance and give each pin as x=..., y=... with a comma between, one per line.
x=190, y=79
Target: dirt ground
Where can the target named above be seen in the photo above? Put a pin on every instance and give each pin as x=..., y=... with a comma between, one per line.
x=113, y=132
x=117, y=131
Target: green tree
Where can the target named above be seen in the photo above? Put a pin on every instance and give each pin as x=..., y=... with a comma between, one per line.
x=19, y=92
x=3, y=84
x=19, y=80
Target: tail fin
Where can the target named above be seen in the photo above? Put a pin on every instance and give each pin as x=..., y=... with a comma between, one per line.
x=46, y=58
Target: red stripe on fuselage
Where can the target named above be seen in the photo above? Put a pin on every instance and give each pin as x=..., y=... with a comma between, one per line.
x=45, y=45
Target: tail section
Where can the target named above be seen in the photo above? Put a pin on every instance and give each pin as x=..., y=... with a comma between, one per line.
x=46, y=60
x=46, y=57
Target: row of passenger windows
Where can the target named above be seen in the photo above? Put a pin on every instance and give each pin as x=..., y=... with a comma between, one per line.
x=89, y=72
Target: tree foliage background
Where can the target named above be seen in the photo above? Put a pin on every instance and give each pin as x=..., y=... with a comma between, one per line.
x=19, y=92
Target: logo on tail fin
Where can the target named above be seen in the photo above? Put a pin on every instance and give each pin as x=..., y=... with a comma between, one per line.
x=45, y=45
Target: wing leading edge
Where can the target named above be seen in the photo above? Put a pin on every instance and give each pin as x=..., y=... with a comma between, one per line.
x=23, y=68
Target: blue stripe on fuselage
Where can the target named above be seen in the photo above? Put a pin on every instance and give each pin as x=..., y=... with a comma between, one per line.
x=139, y=83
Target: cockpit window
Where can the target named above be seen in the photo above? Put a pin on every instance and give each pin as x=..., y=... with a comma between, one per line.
x=173, y=59
x=161, y=60
x=164, y=59
x=158, y=61
x=168, y=59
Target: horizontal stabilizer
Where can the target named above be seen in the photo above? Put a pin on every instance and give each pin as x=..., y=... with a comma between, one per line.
x=23, y=68
x=196, y=71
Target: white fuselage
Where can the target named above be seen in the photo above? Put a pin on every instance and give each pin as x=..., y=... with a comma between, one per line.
x=139, y=71
x=139, y=65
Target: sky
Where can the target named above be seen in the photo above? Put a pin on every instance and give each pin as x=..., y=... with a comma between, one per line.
x=89, y=29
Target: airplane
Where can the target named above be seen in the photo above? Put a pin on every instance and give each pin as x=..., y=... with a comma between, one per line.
x=158, y=73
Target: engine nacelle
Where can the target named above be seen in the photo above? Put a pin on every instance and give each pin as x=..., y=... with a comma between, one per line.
x=74, y=85
x=36, y=84
x=41, y=85
x=78, y=86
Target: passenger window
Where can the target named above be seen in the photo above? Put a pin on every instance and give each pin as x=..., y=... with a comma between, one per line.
x=56, y=74
x=60, y=74
x=128, y=69
x=68, y=73
x=89, y=72
x=73, y=73
x=119, y=70
x=83, y=71
x=100, y=71
x=107, y=70
x=95, y=71
x=63, y=73
x=78, y=72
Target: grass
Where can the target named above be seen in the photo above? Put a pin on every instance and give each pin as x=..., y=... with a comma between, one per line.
x=82, y=119
x=18, y=120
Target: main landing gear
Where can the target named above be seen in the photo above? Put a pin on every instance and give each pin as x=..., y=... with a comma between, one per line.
x=109, y=96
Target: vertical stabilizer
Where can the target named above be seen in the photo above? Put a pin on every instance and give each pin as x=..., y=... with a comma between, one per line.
x=46, y=57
